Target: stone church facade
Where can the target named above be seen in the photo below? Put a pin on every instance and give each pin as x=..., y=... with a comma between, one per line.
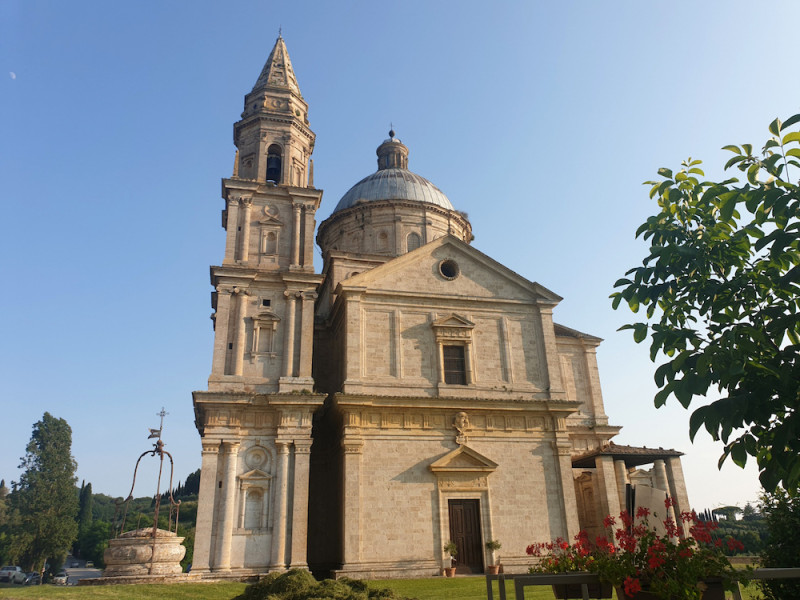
x=415, y=392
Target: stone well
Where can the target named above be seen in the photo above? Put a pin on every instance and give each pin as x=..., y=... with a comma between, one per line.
x=134, y=553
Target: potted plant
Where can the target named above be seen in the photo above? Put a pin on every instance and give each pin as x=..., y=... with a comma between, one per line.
x=493, y=546
x=450, y=548
x=646, y=565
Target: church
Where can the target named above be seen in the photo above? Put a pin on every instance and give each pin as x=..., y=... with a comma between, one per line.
x=413, y=393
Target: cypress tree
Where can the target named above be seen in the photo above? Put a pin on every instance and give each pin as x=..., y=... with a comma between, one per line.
x=45, y=494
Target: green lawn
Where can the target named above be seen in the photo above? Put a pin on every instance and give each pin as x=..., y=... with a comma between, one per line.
x=462, y=588
x=176, y=591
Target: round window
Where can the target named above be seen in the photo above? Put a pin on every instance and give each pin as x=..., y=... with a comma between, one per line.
x=449, y=268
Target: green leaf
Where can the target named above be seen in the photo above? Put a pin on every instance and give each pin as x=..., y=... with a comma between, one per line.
x=639, y=332
x=752, y=174
x=728, y=205
x=664, y=172
x=791, y=121
x=734, y=160
x=732, y=148
x=696, y=421
x=775, y=127
x=748, y=149
x=791, y=137
x=739, y=454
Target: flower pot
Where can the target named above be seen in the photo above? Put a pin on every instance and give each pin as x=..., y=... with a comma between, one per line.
x=449, y=571
x=493, y=569
x=573, y=590
x=714, y=591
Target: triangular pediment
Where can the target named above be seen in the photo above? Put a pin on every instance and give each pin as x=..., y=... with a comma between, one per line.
x=270, y=221
x=463, y=460
x=255, y=475
x=453, y=320
x=469, y=274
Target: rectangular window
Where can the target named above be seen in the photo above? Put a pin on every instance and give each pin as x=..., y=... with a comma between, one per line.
x=455, y=368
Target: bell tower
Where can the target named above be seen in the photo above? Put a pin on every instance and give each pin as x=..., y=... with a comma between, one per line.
x=255, y=417
x=273, y=139
x=266, y=286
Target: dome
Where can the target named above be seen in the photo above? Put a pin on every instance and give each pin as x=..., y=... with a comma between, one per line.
x=393, y=184
x=393, y=181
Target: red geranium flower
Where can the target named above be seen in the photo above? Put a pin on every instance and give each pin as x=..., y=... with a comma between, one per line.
x=632, y=586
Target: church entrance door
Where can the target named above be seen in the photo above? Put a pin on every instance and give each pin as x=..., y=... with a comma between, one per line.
x=465, y=532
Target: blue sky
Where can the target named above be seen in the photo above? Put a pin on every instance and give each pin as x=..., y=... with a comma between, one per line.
x=540, y=120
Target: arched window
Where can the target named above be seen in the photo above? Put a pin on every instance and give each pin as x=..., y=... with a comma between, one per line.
x=274, y=162
x=271, y=243
x=413, y=241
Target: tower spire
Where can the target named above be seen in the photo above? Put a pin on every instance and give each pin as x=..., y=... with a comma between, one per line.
x=277, y=71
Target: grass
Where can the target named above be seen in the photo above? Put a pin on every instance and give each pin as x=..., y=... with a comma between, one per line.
x=437, y=588
x=175, y=591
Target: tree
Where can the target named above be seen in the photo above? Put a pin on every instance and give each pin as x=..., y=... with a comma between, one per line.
x=728, y=512
x=45, y=495
x=85, y=500
x=721, y=289
x=782, y=512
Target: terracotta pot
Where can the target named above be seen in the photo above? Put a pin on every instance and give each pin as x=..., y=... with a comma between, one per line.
x=714, y=591
x=449, y=571
x=573, y=590
x=493, y=569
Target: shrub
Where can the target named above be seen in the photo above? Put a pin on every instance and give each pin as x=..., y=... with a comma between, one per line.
x=298, y=584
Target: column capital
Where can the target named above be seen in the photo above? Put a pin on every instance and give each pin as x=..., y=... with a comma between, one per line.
x=563, y=447
x=210, y=446
x=292, y=294
x=246, y=201
x=309, y=295
x=239, y=291
x=282, y=446
x=302, y=446
x=353, y=446
x=232, y=447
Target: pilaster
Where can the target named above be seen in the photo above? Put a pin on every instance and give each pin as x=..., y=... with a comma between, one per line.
x=677, y=489
x=621, y=471
x=562, y=448
x=241, y=328
x=232, y=230
x=306, y=333
x=205, y=506
x=607, y=481
x=353, y=449
x=228, y=508
x=553, y=380
x=299, y=552
x=296, y=235
x=279, y=516
x=308, y=238
x=288, y=344
x=247, y=205
x=220, y=359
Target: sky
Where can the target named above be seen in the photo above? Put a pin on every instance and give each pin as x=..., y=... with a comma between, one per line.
x=541, y=120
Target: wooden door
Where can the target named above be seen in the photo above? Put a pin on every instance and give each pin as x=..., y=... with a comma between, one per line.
x=465, y=531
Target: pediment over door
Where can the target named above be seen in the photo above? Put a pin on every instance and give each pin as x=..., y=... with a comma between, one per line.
x=463, y=469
